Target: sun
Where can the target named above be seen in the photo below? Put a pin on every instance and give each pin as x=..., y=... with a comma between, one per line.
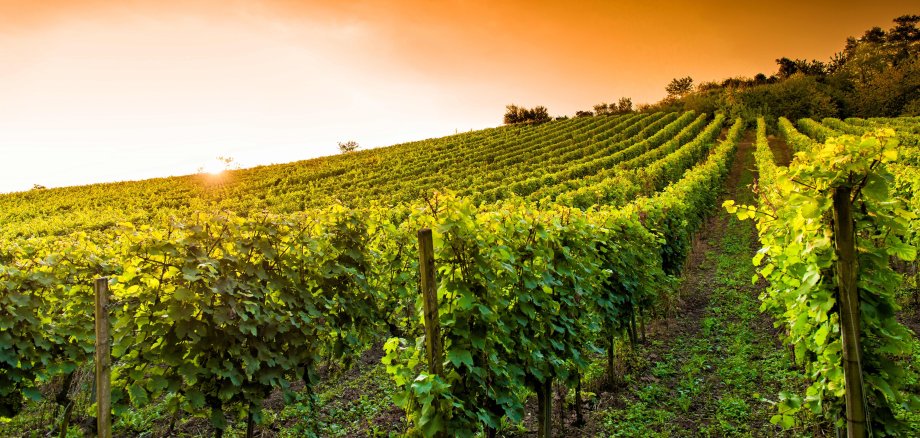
x=212, y=168
x=218, y=166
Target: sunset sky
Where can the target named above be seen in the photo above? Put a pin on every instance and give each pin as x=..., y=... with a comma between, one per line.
x=94, y=91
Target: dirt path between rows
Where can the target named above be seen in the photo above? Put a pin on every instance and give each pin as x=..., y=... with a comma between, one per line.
x=712, y=369
x=782, y=153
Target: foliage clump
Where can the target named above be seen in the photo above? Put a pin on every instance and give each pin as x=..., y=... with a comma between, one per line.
x=799, y=259
x=515, y=114
x=875, y=75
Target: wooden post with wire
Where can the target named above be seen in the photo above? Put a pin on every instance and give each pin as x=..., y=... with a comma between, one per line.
x=850, y=327
x=103, y=360
x=433, y=347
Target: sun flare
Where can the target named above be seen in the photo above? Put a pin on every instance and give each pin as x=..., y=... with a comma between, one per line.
x=214, y=167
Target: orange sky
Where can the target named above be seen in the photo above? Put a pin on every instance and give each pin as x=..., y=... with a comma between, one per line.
x=111, y=90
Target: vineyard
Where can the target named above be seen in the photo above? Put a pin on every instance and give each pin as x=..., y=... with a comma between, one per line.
x=839, y=236
x=554, y=248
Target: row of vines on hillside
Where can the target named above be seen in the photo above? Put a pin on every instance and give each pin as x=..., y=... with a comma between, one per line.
x=802, y=228
x=526, y=295
x=212, y=311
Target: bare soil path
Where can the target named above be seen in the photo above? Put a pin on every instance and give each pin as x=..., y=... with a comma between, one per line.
x=716, y=368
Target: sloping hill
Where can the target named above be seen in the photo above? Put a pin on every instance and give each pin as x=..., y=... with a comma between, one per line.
x=550, y=243
x=539, y=162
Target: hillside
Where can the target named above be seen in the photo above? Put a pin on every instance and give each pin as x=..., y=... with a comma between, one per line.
x=310, y=278
x=586, y=278
x=538, y=162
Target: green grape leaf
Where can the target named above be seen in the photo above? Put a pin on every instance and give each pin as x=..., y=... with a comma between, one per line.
x=458, y=357
x=876, y=188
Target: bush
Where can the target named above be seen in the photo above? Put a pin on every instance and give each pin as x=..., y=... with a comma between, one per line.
x=515, y=114
x=348, y=146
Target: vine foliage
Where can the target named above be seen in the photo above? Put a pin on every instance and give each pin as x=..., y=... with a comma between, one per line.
x=794, y=220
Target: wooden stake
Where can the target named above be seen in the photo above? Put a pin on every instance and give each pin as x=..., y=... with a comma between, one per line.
x=103, y=361
x=611, y=377
x=64, y=400
x=250, y=424
x=545, y=409
x=433, y=346
x=848, y=295
x=644, y=321
x=631, y=328
x=579, y=416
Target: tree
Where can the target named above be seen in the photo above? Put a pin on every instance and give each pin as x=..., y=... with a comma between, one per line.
x=624, y=105
x=875, y=36
x=228, y=163
x=38, y=187
x=904, y=36
x=679, y=87
x=736, y=82
x=538, y=114
x=516, y=114
x=814, y=68
x=708, y=86
x=905, y=29
x=888, y=92
x=789, y=67
x=838, y=61
x=603, y=108
x=348, y=146
x=583, y=114
x=513, y=114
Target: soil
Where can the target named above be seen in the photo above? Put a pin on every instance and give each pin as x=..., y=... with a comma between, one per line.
x=781, y=150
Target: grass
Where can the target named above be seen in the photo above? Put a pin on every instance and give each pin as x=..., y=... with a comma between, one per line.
x=351, y=402
x=719, y=378
x=340, y=413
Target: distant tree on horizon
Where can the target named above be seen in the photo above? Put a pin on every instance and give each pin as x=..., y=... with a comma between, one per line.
x=517, y=114
x=876, y=35
x=539, y=114
x=905, y=30
x=228, y=162
x=679, y=87
x=789, y=67
x=348, y=146
x=623, y=106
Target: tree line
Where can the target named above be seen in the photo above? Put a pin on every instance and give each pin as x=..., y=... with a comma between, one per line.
x=874, y=75
x=539, y=114
x=517, y=114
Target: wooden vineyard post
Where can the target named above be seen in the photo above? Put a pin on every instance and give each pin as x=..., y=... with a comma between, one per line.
x=644, y=322
x=545, y=408
x=103, y=360
x=433, y=346
x=611, y=378
x=579, y=416
x=848, y=296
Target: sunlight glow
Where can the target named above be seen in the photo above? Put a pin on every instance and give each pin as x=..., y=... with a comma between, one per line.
x=216, y=166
